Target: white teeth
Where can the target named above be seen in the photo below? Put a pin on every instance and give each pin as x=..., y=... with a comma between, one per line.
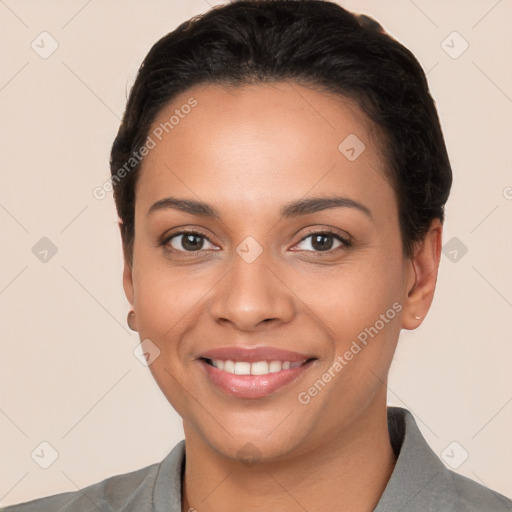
x=257, y=368
x=229, y=366
x=242, y=368
x=275, y=366
x=218, y=363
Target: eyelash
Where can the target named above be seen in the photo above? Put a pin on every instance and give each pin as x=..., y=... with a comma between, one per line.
x=346, y=244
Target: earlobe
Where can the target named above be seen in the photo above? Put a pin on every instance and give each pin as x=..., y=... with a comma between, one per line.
x=425, y=265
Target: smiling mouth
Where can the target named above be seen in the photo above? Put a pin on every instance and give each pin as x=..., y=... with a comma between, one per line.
x=254, y=368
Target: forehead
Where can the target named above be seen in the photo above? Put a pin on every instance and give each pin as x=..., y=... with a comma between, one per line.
x=259, y=144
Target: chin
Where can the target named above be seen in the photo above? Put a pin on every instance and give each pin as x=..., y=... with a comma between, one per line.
x=250, y=443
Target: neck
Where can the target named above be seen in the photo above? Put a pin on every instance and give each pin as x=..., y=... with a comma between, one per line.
x=351, y=470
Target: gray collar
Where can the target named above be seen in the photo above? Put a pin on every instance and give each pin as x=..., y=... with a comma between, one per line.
x=419, y=481
x=418, y=472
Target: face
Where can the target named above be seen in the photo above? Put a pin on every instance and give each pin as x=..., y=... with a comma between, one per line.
x=267, y=242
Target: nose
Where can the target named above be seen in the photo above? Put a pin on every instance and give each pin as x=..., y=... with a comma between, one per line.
x=252, y=296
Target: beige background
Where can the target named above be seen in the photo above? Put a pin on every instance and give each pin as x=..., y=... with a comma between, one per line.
x=68, y=373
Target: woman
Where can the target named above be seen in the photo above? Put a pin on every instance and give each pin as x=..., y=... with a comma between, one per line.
x=280, y=176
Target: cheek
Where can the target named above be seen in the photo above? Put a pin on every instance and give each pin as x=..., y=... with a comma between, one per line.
x=166, y=303
x=360, y=305
x=361, y=312
x=165, y=298
x=163, y=302
x=353, y=295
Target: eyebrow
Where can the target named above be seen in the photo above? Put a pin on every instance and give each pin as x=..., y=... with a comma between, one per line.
x=297, y=208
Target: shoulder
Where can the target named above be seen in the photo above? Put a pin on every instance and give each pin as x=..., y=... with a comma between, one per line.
x=133, y=491
x=420, y=481
x=474, y=497
x=109, y=494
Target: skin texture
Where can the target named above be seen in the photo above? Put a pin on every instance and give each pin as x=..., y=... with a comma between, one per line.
x=248, y=151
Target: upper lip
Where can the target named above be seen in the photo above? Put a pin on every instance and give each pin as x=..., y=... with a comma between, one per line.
x=254, y=354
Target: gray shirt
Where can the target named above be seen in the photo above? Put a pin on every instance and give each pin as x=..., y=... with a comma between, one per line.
x=419, y=482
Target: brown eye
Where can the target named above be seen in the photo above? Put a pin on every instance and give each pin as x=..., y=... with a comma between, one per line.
x=322, y=242
x=188, y=241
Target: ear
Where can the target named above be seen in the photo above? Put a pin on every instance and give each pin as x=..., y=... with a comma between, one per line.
x=422, y=277
x=127, y=272
x=128, y=282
